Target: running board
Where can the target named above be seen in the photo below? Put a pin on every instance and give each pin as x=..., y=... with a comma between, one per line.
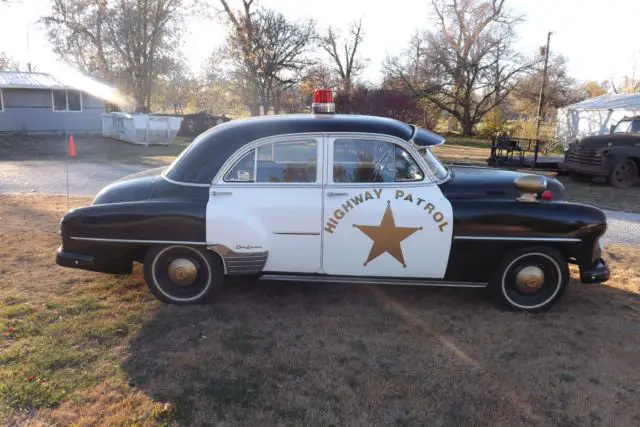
x=372, y=281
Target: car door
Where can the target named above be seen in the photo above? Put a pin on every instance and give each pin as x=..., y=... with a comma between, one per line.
x=383, y=213
x=264, y=211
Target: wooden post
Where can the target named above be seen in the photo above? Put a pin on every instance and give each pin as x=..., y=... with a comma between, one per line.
x=544, y=82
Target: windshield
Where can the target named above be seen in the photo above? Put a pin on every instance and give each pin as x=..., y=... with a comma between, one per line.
x=437, y=168
x=627, y=126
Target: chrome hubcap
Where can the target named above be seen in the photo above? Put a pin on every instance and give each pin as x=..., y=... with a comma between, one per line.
x=182, y=272
x=530, y=279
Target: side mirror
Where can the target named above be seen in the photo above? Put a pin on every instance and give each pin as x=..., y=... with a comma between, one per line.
x=611, y=128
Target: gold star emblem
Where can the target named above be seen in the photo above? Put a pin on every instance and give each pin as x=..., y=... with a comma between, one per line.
x=386, y=237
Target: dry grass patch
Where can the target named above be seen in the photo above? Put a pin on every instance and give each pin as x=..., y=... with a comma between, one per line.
x=603, y=195
x=87, y=348
x=597, y=192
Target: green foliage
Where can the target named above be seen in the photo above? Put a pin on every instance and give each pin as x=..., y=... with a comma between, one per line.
x=494, y=124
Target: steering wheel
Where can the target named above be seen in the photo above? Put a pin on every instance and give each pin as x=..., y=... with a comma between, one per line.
x=379, y=165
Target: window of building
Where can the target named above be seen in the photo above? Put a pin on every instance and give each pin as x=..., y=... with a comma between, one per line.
x=67, y=100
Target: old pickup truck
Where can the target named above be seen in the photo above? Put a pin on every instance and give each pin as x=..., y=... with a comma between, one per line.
x=615, y=156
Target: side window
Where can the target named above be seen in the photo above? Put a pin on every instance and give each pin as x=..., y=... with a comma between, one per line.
x=295, y=161
x=243, y=170
x=368, y=160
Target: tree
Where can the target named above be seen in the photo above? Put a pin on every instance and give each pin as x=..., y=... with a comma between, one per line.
x=343, y=54
x=130, y=41
x=379, y=102
x=594, y=89
x=466, y=65
x=7, y=63
x=560, y=90
x=267, y=50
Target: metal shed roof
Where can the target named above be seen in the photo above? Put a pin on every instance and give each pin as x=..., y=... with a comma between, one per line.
x=613, y=101
x=23, y=80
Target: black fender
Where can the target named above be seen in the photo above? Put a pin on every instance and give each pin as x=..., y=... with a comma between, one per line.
x=486, y=230
x=612, y=156
x=121, y=232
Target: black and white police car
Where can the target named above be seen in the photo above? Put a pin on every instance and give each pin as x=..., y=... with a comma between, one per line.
x=327, y=197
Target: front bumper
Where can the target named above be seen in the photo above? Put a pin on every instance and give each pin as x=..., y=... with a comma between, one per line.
x=597, y=170
x=598, y=272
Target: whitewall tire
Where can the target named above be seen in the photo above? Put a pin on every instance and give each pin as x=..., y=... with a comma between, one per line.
x=182, y=275
x=531, y=279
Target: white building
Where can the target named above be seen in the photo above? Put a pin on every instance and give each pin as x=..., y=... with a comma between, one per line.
x=595, y=116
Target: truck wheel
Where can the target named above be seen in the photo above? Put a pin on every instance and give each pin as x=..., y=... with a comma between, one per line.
x=581, y=177
x=624, y=174
x=182, y=275
x=530, y=279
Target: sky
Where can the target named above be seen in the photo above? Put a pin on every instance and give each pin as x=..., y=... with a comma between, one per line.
x=598, y=37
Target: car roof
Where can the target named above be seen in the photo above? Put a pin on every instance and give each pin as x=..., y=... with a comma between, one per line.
x=200, y=162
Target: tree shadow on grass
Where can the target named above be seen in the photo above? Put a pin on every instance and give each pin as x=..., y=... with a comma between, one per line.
x=288, y=353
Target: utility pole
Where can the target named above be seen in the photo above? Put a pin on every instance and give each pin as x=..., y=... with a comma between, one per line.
x=544, y=82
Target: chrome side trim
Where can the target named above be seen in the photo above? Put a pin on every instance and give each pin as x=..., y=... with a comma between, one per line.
x=162, y=242
x=374, y=281
x=240, y=262
x=184, y=184
x=297, y=233
x=524, y=239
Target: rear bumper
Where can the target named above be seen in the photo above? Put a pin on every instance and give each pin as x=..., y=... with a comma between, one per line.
x=104, y=264
x=72, y=260
x=596, y=273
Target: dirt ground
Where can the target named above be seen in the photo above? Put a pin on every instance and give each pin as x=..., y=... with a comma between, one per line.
x=93, y=349
x=89, y=148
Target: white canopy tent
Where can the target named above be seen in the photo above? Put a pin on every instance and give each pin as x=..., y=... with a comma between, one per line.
x=594, y=116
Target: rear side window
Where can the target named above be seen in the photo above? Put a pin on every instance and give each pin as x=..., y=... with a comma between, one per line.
x=278, y=162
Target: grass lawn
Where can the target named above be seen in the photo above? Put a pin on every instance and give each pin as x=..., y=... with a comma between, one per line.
x=86, y=348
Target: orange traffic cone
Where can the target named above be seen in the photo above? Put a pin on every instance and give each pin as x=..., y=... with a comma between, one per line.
x=72, y=147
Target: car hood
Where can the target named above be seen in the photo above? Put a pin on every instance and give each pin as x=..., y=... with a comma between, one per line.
x=602, y=141
x=130, y=188
x=470, y=182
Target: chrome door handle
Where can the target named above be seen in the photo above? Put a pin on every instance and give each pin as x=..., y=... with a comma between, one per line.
x=220, y=193
x=332, y=193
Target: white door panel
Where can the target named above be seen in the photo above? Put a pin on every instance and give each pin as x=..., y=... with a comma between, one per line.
x=387, y=231
x=271, y=205
x=264, y=219
x=383, y=216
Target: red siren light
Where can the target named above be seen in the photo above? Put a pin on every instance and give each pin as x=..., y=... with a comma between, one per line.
x=323, y=102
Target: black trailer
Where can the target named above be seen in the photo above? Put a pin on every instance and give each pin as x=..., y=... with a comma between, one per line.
x=510, y=152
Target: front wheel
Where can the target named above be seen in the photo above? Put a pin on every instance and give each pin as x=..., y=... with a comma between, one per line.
x=181, y=275
x=531, y=279
x=624, y=174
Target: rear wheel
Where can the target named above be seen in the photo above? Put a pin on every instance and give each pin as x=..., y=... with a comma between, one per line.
x=531, y=279
x=624, y=174
x=182, y=275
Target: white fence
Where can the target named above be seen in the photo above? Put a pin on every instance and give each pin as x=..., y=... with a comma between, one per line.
x=140, y=128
